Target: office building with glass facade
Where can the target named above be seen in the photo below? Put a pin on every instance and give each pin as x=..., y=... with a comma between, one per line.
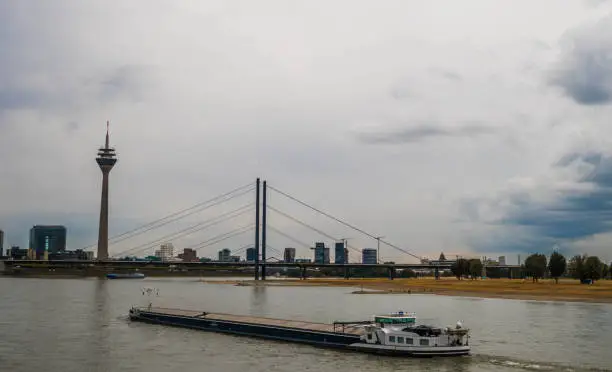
x=47, y=238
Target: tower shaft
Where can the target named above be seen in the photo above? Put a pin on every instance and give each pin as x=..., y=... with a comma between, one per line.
x=103, y=227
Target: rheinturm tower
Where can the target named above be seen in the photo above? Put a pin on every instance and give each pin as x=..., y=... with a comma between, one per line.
x=106, y=160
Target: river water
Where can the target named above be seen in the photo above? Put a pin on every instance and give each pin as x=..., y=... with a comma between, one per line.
x=65, y=325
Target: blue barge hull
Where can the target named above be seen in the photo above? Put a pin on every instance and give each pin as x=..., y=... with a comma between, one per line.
x=125, y=276
x=293, y=331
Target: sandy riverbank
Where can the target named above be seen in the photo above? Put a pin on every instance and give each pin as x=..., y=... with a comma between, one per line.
x=545, y=290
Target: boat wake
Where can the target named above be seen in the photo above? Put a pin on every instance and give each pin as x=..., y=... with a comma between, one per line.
x=525, y=365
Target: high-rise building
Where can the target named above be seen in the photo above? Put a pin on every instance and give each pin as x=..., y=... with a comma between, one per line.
x=45, y=239
x=368, y=256
x=224, y=255
x=502, y=260
x=341, y=254
x=321, y=254
x=165, y=252
x=250, y=254
x=289, y=255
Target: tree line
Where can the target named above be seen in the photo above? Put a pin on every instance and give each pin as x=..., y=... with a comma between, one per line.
x=582, y=267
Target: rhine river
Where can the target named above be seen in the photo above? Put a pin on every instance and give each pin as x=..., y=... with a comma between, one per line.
x=66, y=325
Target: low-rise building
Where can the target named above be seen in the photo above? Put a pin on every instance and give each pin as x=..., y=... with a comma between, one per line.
x=188, y=255
x=224, y=255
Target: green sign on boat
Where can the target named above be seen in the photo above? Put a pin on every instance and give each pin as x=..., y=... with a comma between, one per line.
x=393, y=320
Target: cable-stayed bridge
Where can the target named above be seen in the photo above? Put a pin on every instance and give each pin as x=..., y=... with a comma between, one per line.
x=254, y=216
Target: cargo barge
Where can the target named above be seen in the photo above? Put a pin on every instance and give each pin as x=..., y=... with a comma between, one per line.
x=125, y=276
x=394, y=334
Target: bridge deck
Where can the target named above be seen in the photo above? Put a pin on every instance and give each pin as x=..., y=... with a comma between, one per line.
x=312, y=326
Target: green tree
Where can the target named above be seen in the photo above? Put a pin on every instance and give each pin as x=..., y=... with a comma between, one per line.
x=605, y=272
x=536, y=266
x=593, y=268
x=460, y=268
x=576, y=267
x=475, y=268
x=557, y=265
x=407, y=273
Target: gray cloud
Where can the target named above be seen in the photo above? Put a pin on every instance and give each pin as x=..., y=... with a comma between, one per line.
x=584, y=72
x=129, y=81
x=452, y=75
x=422, y=133
x=595, y=3
x=573, y=215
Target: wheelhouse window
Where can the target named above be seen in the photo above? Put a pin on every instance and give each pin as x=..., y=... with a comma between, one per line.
x=369, y=336
x=409, y=341
x=424, y=342
x=400, y=340
x=391, y=338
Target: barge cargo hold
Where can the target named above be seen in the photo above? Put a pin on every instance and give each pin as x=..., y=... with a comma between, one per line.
x=364, y=336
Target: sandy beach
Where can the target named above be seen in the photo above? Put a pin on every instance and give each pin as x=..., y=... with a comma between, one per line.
x=544, y=290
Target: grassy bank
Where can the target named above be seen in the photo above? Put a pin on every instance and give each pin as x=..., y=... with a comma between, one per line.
x=565, y=290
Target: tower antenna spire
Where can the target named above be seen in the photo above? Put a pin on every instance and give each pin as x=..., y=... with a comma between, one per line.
x=107, y=124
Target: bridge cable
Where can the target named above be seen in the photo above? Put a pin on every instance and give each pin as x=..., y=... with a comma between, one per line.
x=221, y=237
x=177, y=213
x=342, y=222
x=305, y=245
x=310, y=227
x=215, y=203
x=189, y=230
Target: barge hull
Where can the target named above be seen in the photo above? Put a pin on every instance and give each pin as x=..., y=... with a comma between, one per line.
x=426, y=352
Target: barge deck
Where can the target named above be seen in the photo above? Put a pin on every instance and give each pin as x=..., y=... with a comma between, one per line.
x=282, y=323
x=312, y=333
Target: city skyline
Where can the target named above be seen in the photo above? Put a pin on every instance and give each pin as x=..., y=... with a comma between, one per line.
x=435, y=134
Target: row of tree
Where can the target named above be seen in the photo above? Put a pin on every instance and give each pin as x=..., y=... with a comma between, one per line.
x=579, y=267
x=537, y=266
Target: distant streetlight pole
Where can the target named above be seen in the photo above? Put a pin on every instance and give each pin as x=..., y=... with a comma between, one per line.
x=378, y=248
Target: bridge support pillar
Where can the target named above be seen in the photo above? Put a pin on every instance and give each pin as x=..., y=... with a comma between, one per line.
x=347, y=273
x=257, y=229
x=391, y=273
x=437, y=273
x=263, y=231
x=303, y=276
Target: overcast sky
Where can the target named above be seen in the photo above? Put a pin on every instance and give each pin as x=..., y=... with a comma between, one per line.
x=469, y=127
